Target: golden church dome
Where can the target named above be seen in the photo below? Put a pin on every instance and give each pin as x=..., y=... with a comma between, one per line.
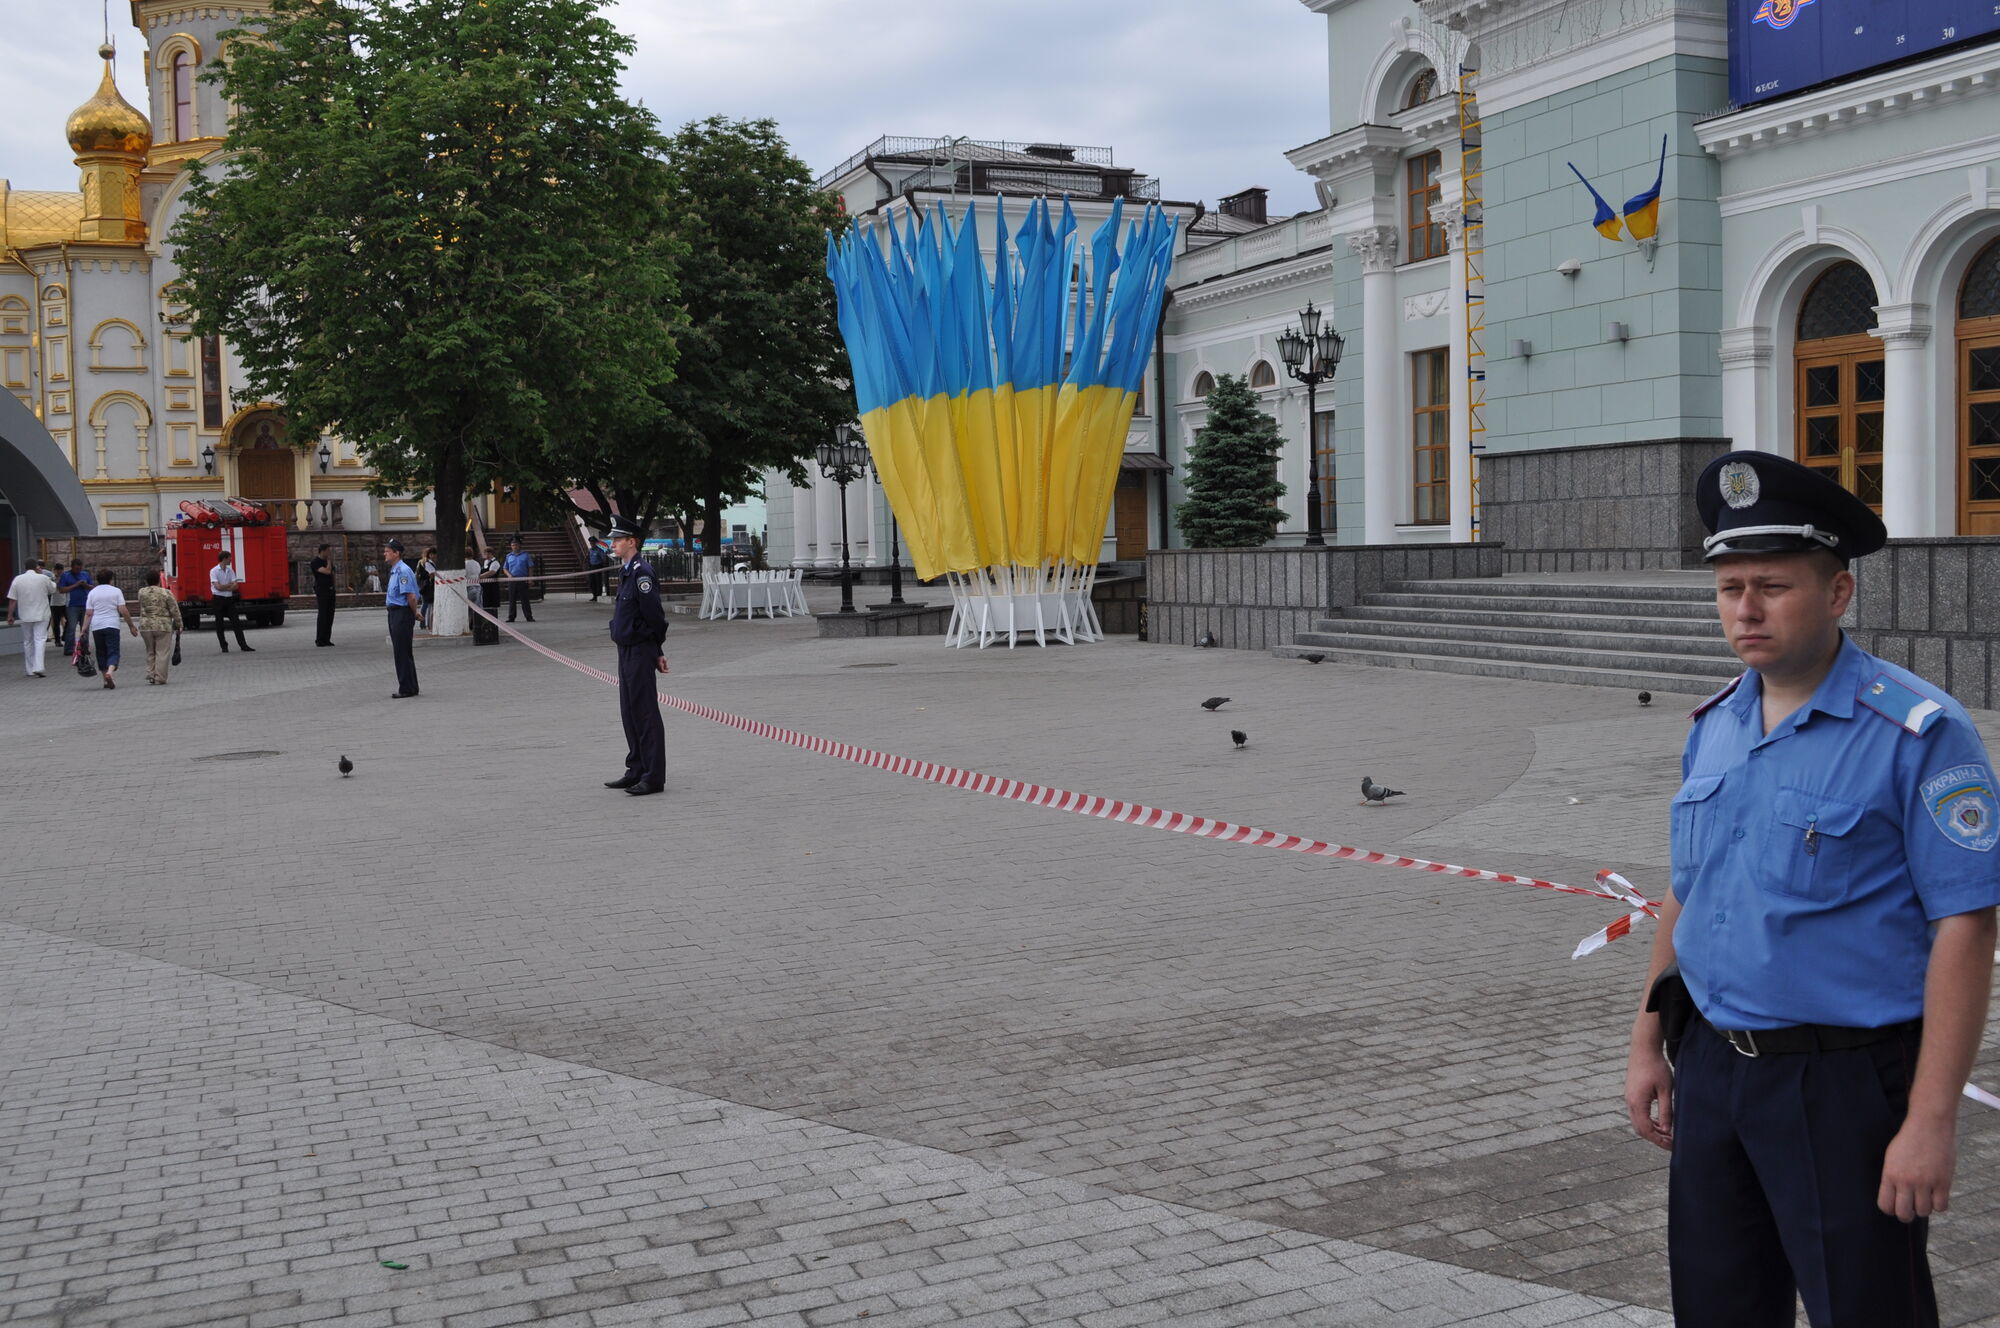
x=107, y=122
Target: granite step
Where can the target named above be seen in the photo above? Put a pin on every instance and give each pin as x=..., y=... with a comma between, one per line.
x=1678, y=684
x=1473, y=620
x=1722, y=668
x=1363, y=622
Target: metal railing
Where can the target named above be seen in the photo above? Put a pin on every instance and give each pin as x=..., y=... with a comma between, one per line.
x=943, y=150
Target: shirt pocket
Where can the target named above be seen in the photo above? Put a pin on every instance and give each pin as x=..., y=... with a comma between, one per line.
x=1692, y=812
x=1813, y=857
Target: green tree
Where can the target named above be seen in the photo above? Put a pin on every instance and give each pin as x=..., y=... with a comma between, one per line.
x=1232, y=473
x=439, y=232
x=762, y=372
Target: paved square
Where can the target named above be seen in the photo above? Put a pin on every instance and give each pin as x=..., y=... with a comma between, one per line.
x=804, y=1043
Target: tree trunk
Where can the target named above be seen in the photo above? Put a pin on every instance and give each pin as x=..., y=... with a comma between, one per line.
x=712, y=529
x=448, y=496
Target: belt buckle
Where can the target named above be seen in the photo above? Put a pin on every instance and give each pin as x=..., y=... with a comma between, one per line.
x=1743, y=1041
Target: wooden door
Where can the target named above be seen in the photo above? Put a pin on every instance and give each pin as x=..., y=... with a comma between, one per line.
x=1130, y=511
x=506, y=508
x=1979, y=427
x=1840, y=390
x=267, y=472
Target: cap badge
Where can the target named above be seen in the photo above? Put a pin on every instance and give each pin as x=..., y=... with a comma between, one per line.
x=1738, y=481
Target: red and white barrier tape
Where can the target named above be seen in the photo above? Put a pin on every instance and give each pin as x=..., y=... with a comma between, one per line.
x=1615, y=888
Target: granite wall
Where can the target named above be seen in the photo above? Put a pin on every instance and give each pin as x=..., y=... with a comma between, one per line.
x=1608, y=507
x=1933, y=606
x=1253, y=599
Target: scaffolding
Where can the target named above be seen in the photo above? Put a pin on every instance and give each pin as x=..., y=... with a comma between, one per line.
x=1472, y=250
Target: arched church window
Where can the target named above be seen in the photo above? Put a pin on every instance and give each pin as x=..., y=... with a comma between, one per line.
x=1204, y=383
x=183, y=83
x=1263, y=375
x=1979, y=395
x=1840, y=383
x=1422, y=88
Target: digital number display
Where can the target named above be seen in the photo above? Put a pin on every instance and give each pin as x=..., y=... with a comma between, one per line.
x=1778, y=47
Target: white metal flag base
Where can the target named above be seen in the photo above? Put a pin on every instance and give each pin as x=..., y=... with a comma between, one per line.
x=1049, y=603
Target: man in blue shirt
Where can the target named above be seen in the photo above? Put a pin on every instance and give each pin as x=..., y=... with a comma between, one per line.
x=520, y=566
x=1832, y=916
x=79, y=585
x=638, y=629
x=405, y=604
x=597, y=560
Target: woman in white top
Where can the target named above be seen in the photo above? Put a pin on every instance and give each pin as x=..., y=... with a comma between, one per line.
x=104, y=606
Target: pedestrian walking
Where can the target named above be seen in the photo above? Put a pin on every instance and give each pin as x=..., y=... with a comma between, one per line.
x=159, y=627
x=322, y=574
x=639, y=629
x=58, y=613
x=76, y=584
x=427, y=571
x=1832, y=924
x=225, y=588
x=520, y=566
x=404, y=605
x=597, y=560
x=106, y=607
x=29, y=607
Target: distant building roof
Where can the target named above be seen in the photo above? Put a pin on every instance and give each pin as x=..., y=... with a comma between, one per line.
x=993, y=166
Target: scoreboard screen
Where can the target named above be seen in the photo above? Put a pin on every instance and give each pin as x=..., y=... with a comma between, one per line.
x=1778, y=47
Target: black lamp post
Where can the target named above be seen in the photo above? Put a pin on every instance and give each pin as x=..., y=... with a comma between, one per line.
x=208, y=460
x=1312, y=356
x=895, y=544
x=841, y=461
x=325, y=458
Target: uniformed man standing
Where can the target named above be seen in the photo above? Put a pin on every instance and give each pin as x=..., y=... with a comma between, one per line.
x=1832, y=915
x=638, y=628
x=404, y=605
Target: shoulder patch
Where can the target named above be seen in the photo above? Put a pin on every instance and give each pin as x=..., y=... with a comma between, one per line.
x=1716, y=700
x=1893, y=700
x=645, y=585
x=1962, y=804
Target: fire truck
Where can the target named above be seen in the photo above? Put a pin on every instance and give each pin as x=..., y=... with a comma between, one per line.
x=202, y=531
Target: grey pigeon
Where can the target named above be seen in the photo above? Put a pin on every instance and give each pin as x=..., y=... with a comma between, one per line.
x=1312, y=659
x=1645, y=698
x=1239, y=737
x=1371, y=792
x=346, y=767
x=1214, y=703
x=1207, y=640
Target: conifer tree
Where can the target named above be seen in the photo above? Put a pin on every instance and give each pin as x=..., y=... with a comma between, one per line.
x=1232, y=473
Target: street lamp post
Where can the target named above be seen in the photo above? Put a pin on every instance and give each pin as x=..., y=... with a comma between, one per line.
x=895, y=544
x=1312, y=357
x=841, y=461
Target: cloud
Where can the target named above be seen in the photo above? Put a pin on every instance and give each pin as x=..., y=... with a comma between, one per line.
x=1204, y=96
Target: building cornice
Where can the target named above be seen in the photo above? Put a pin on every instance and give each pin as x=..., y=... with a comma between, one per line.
x=1861, y=101
x=1361, y=150
x=150, y=14
x=1911, y=165
x=1256, y=281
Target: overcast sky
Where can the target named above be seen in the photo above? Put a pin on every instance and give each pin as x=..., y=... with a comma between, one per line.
x=1205, y=94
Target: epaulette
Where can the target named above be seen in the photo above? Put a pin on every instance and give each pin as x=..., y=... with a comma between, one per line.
x=1716, y=700
x=1899, y=702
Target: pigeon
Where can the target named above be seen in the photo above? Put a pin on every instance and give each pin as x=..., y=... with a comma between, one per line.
x=1207, y=641
x=1214, y=703
x=1312, y=659
x=1240, y=738
x=346, y=767
x=1371, y=792
x=1645, y=698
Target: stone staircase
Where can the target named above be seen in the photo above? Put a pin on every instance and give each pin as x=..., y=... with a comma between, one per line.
x=1654, y=631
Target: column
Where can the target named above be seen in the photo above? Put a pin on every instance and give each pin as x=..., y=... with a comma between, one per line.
x=1452, y=217
x=826, y=517
x=1910, y=473
x=803, y=527
x=1380, y=425
x=1746, y=390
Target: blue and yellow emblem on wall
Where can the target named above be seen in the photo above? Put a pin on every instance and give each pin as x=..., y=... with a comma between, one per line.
x=1778, y=13
x=1961, y=802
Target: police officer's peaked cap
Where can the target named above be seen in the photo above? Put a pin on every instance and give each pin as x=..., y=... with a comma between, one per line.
x=1754, y=502
x=622, y=529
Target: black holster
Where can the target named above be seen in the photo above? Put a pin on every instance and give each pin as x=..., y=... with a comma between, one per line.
x=1669, y=998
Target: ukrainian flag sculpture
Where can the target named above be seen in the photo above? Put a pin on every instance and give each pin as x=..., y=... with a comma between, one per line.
x=996, y=408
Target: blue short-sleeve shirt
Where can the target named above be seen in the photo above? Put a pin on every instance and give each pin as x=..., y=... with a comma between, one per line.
x=1811, y=862
x=520, y=564
x=402, y=584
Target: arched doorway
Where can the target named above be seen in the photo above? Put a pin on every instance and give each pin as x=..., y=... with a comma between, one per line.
x=1839, y=382
x=266, y=465
x=1979, y=395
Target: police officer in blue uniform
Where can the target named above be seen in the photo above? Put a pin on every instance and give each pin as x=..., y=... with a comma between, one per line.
x=638, y=628
x=1832, y=918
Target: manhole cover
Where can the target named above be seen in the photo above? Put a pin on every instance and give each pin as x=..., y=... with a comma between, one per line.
x=868, y=666
x=237, y=756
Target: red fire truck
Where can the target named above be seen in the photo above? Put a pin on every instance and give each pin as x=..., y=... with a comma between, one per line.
x=259, y=549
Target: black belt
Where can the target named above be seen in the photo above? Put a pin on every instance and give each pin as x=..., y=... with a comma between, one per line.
x=1797, y=1038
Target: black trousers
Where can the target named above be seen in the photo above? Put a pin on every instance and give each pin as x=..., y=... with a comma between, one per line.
x=402, y=639
x=517, y=598
x=225, y=617
x=1771, y=1190
x=639, y=707
x=325, y=598
x=597, y=585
